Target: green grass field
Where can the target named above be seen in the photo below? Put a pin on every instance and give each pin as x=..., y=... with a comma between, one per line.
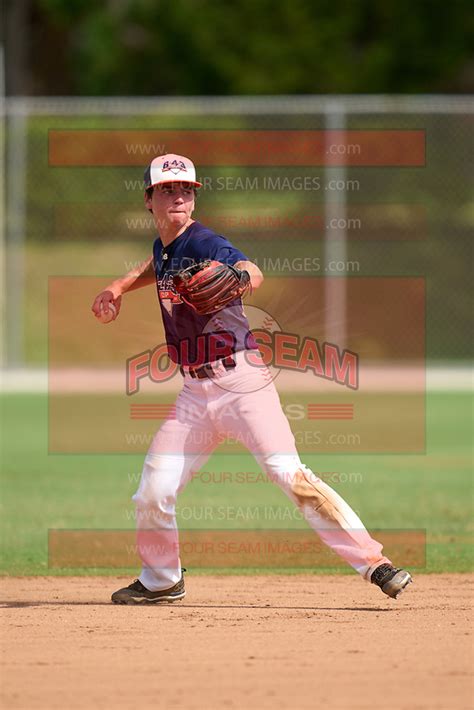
x=432, y=492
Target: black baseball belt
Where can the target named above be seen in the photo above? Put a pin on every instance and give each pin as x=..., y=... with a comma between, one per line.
x=209, y=370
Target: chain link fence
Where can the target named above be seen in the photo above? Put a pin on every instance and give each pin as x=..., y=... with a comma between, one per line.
x=311, y=188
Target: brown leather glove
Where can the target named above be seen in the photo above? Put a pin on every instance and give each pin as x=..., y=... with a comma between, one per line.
x=209, y=286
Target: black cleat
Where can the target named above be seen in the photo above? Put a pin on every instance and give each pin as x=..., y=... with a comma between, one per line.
x=136, y=593
x=391, y=581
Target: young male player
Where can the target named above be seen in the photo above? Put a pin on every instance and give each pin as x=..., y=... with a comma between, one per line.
x=227, y=390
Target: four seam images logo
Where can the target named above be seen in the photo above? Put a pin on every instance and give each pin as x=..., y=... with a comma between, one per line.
x=277, y=350
x=313, y=411
x=220, y=548
x=88, y=377
x=364, y=148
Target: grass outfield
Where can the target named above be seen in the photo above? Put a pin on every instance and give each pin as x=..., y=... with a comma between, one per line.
x=431, y=492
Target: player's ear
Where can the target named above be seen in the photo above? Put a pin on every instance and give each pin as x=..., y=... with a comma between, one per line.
x=147, y=199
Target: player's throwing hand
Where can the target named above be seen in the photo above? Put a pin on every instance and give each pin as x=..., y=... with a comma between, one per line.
x=106, y=307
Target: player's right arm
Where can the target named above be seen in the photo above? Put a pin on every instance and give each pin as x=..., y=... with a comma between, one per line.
x=140, y=276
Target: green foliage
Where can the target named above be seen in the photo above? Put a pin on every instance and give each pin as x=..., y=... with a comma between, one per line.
x=186, y=47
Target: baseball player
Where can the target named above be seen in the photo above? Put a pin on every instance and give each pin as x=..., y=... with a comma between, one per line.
x=227, y=391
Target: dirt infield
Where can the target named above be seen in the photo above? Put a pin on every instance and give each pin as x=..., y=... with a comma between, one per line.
x=238, y=642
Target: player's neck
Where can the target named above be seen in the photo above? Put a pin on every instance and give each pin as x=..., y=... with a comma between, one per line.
x=169, y=234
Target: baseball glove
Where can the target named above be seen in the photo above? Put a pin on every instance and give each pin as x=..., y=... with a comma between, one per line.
x=209, y=286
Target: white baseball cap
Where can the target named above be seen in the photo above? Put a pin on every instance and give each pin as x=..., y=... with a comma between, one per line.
x=170, y=168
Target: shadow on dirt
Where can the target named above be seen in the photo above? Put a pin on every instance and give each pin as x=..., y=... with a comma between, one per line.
x=268, y=607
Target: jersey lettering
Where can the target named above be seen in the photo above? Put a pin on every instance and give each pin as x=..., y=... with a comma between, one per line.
x=167, y=293
x=188, y=335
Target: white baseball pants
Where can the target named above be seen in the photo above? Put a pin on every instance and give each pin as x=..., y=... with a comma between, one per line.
x=244, y=404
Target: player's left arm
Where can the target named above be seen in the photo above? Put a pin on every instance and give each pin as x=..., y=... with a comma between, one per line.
x=256, y=276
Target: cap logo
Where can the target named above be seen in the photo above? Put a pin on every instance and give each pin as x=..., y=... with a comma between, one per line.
x=175, y=166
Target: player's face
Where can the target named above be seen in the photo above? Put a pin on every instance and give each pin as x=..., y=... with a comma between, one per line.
x=172, y=204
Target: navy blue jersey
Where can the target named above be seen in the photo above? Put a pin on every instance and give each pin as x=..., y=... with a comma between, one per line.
x=193, y=339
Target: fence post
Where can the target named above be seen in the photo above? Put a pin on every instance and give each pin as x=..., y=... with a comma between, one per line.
x=16, y=199
x=335, y=235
